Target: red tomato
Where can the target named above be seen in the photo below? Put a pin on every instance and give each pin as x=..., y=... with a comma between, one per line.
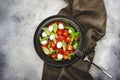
x=50, y=48
x=65, y=55
x=52, y=44
x=60, y=51
x=68, y=39
x=65, y=34
x=54, y=56
x=60, y=38
x=72, y=51
x=59, y=32
x=69, y=47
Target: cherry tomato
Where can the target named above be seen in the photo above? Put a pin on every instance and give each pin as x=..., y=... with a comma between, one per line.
x=50, y=48
x=69, y=47
x=60, y=50
x=65, y=34
x=54, y=56
x=65, y=55
x=72, y=51
x=52, y=44
x=68, y=39
x=60, y=38
x=59, y=32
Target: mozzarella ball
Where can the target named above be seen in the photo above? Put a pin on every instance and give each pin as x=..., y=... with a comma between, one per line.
x=44, y=42
x=50, y=28
x=60, y=26
x=60, y=56
x=69, y=31
x=52, y=37
x=44, y=34
x=59, y=44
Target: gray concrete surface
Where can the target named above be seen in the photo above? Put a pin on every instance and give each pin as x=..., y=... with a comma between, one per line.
x=18, y=22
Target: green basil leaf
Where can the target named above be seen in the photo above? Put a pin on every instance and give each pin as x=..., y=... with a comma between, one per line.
x=46, y=51
x=66, y=22
x=46, y=31
x=54, y=35
x=77, y=34
x=53, y=52
x=70, y=28
x=48, y=44
x=42, y=39
x=70, y=56
x=55, y=27
x=72, y=39
x=75, y=45
x=64, y=45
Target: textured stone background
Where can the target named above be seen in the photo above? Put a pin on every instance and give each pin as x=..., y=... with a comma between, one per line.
x=18, y=22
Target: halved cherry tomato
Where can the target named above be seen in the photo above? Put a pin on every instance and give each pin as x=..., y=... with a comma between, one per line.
x=65, y=55
x=69, y=47
x=65, y=34
x=60, y=50
x=72, y=51
x=59, y=32
x=50, y=49
x=68, y=39
x=52, y=44
x=61, y=38
x=54, y=56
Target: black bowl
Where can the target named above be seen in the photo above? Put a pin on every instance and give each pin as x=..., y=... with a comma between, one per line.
x=49, y=60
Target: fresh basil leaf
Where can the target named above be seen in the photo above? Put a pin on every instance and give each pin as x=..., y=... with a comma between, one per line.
x=48, y=44
x=64, y=45
x=55, y=27
x=66, y=22
x=54, y=35
x=46, y=51
x=70, y=56
x=77, y=34
x=70, y=28
x=75, y=45
x=46, y=31
x=42, y=39
x=53, y=52
x=72, y=39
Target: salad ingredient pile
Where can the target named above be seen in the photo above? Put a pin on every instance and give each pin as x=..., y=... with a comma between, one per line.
x=59, y=40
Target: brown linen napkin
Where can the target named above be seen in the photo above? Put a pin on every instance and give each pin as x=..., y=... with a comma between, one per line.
x=92, y=15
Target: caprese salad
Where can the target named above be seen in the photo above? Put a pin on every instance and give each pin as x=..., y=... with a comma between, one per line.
x=59, y=40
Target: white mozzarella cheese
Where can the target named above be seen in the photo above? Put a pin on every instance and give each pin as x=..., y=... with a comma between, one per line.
x=59, y=44
x=60, y=26
x=60, y=56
